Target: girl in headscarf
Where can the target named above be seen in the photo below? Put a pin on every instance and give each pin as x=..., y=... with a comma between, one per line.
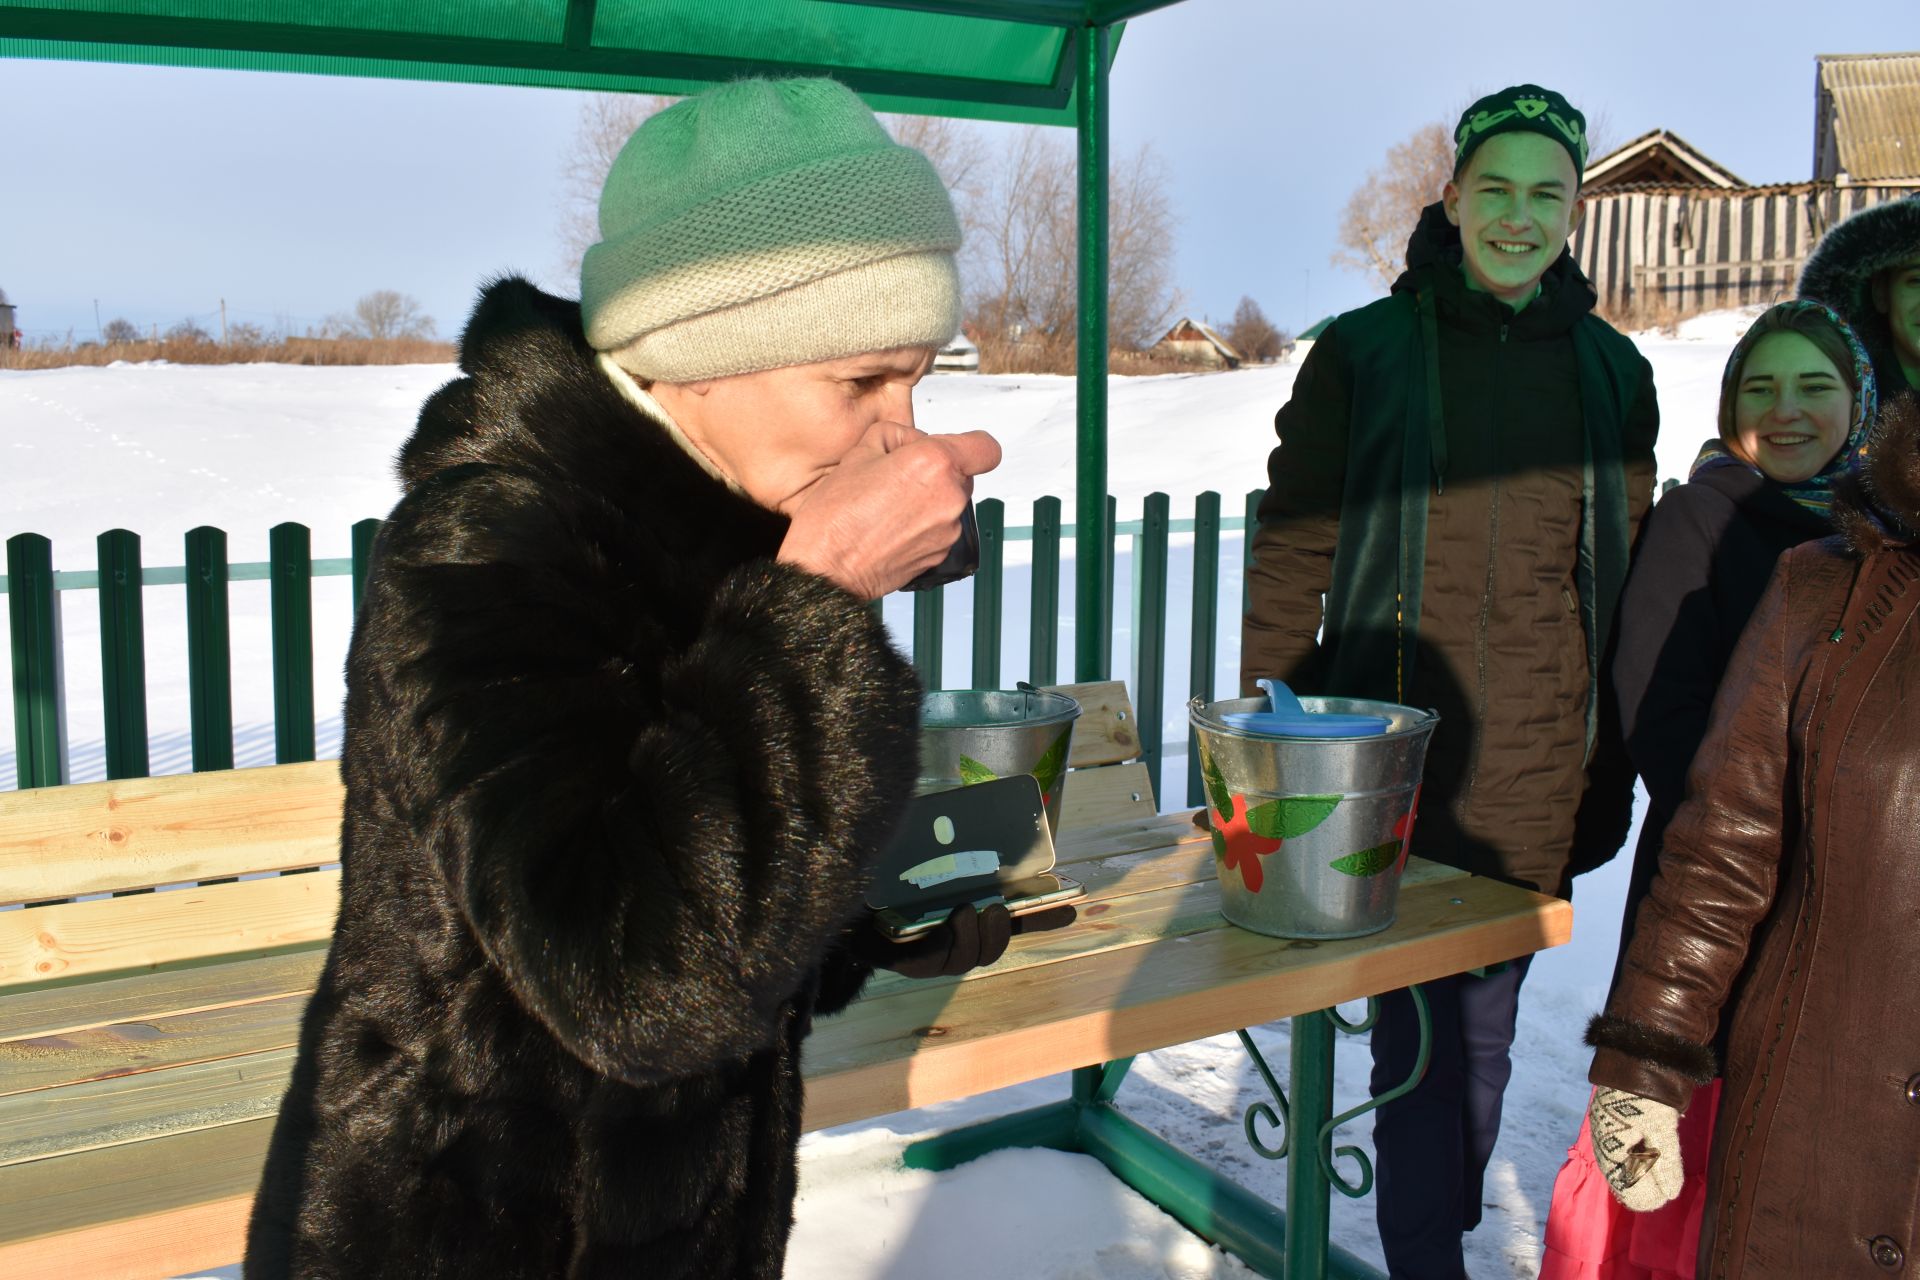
x=1796, y=401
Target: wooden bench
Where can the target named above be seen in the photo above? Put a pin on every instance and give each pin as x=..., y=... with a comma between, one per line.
x=145, y=1039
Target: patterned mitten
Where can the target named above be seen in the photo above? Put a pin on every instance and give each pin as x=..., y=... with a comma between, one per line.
x=1637, y=1144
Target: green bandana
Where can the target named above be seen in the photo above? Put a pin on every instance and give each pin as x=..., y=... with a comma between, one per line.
x=1525, y=108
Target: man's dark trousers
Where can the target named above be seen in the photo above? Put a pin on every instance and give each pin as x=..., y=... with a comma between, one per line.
x=1431, y=1147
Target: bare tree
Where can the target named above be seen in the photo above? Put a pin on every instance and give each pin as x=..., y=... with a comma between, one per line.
x=606, y=121
x=244, y=333
x=383, y=315
x=119, y=330
x=188, y=330
x=1253, y=335
x=1022, y=261
x=1381, y=213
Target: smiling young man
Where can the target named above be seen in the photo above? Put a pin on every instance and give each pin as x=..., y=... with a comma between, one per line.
x=1460, y=474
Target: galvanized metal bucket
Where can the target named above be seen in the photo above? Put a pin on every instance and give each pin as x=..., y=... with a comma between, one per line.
x=977, y=735
x=1310, y=835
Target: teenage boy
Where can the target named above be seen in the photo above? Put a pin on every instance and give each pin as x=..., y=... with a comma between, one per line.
x=1461, y=472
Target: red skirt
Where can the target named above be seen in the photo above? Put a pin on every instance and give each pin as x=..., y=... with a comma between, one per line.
x=1592, y=1236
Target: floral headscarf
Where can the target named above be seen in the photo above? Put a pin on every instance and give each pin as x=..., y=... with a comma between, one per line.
x=1816, y=492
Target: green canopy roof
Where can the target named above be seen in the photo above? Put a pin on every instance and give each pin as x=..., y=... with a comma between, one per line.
x=988, y=59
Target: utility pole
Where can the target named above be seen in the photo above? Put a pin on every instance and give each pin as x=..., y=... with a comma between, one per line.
x=223, y=322
x=97, y=332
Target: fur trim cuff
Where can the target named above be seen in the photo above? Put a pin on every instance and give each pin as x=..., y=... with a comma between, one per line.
x=1649, y=1044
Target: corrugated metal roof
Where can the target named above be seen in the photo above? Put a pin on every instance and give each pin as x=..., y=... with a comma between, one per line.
x=1876, y=113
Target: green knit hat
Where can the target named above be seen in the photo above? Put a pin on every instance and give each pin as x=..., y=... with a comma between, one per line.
x=1524, y=108
x=768, y=223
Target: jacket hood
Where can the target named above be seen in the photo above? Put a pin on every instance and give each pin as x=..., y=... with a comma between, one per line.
x=1878, y=504
x=1840, y=271
x=1434, y=258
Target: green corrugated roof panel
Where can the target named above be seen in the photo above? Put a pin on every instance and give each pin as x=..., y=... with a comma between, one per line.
x=991, y=59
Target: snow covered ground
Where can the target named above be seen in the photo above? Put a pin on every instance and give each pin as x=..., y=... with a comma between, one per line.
x=162, y=449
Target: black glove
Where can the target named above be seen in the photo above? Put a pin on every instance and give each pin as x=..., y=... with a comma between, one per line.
x=969, y=938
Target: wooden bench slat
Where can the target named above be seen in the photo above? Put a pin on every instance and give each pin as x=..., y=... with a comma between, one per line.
x=1105, y=795
x=160, y=1208
x=123, y=1049
x=61, y=842
x=110, y=935
x=1105, y=733
x=108, y=1113
x=59, y=1010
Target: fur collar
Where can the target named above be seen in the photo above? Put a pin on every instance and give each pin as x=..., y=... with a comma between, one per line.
x=1878, y=505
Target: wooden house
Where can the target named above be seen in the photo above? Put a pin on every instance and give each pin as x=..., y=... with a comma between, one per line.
x=1669, y=232
x=1192, y=342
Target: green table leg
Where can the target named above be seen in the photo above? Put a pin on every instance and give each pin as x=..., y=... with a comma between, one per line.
x=1308, y=1202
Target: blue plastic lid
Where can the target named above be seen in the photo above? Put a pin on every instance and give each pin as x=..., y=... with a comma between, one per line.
x=1289, y=719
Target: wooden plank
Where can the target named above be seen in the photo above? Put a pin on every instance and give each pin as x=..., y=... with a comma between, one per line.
x=1099, y=796
x=195, y=1238
x=111, y=935
x=109, y=1113
x=81, y=1006
x=160, y=1208
x=923, y=1046
x=1105, y=733
x=129, y=1048
x=58, y=842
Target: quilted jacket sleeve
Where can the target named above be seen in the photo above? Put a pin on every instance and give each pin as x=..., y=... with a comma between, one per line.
x=656, y=827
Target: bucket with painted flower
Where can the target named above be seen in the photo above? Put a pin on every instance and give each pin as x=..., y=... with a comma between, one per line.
x=977, y=735
x=1311, y=828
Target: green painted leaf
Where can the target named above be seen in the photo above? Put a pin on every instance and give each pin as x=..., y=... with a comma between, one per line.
x=1219, y=844
x=1053, y=764
x=1216, y=785
x=1369, y=862
x=1290, y=816
x=972, y=771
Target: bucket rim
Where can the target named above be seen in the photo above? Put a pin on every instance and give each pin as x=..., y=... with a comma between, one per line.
x=1063, y=709
x=1199, y=714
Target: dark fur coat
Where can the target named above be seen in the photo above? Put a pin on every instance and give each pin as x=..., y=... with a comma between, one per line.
x=614, y=780
x=1840, y=273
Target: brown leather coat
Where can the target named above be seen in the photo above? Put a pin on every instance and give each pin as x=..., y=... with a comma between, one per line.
x=1788, y=901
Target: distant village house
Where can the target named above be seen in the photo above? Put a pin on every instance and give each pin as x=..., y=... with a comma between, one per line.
x=1192, y=342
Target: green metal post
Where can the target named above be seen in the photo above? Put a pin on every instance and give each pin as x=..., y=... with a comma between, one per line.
x=209, y=650
x=1109, y=553
x=1150, y=682
x=1043, y=659
x=929, y=614
x=1054, y=1126
x=1093, y=595
x=1206, y=623
x=1308, y=1197
x=290, y=553
x=992, y=518
x=364, y=532
x=33, y=616
x=123, y=656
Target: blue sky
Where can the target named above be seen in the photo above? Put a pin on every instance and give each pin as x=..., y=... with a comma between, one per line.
x=160, y=191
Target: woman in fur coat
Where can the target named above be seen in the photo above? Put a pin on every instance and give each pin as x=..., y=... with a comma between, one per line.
x=1787, y=907
x=622, y=735
x=1868, y=269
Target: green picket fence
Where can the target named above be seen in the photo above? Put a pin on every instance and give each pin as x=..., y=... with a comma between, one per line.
x=33, y=588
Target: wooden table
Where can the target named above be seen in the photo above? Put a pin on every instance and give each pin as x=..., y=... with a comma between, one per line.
x=135, y=1110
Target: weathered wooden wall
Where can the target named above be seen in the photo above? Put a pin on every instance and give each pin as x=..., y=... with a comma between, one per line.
x=1681, y=250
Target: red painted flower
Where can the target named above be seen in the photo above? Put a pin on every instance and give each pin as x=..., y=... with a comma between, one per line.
x=1240, y=847
x=1403, y=829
